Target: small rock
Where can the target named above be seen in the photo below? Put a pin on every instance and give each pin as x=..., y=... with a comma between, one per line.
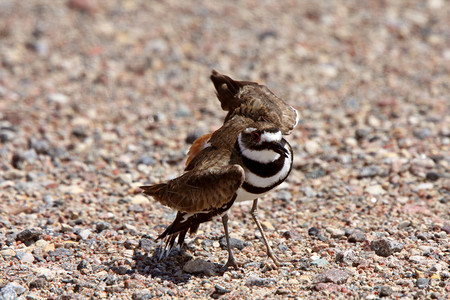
x=143, y=294
x=312, y=147
x=6, y=135
x=11, y=291
x=404, y=224
x=130, y=244
x=385, y=291
x=29, y=236
x=235, y=243
x=422, y=283
x=321, y=262
x=432, y=176
x=258, y=281
x=38, y=283
x=369, y=171
x=375, y=189
x=146, y=160
x=58, y=98
x=423, y=186
x=284, y=195
x=100, y=226
x=199, y=266
x=446, y=228
x=19, y=159
x=218, y=291
x=356, y=236
x=182, y=111
x=282, y=291
x=61, y=252
x=140, y=199
x=84, y=234
x=337, y=233
x=385, y=248
x=7, y=253
x=146, y=244
x=347, y=257
x=25, y=257
x=84, y=266
x=336, y=276
x=361, y=134
x=313, y=231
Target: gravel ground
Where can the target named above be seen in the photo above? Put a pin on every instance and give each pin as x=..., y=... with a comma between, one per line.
x=99, y=97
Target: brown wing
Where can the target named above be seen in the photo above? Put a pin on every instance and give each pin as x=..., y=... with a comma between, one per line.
x=255, y=101
x=209, y=183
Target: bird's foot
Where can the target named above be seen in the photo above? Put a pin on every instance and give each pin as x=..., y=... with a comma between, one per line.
x=231, y=262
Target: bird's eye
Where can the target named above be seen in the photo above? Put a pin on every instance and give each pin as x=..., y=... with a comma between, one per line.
x=255, y=136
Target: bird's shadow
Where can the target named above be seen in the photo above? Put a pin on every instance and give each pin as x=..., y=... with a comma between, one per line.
x=147, y=262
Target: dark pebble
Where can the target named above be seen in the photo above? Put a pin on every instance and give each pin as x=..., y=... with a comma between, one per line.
x=219, y=291
x=432, y=176
x=37, y=283
x=29, y=236
x=6, y=135
x=385, y=248
x=422, y=283
x=100, y=226
x=385, y=291
x=18, y=160
x=287, y=235
x=356, y=236
x=84, y=265
x=235, y=243
x=313, y=231
x=80, y=132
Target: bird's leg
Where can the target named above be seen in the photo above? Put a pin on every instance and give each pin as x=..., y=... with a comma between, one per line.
x=255, y=218
x=230, y=261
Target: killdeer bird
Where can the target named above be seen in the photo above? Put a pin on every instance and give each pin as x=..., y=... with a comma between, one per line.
x=241, y=161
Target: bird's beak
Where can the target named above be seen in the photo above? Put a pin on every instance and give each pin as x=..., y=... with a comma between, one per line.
x=279, y=148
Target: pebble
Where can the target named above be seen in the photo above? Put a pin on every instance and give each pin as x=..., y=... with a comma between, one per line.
x=7, y=253
x=37, y=283
x=140, y=199
x=432, y=176
x=385, y=248
x=259, y=281
x=385, y=291
x=312, y=147
x=146, y=244
x=347, y=257
x=146, y=160
x=336, y=276
x=29, y=236
x=369, y=171
x=375, y=190
x=61, y=252
x=58, y=98
x=321, y=262
x=11, y=291
x=356, y=236
x=25, y=257
x=84, y=234
x=196, y=266
x=284, y=195
x=234, y=243
x=422, y=283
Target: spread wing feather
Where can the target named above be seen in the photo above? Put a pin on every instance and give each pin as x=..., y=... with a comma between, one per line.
x=207, y=184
